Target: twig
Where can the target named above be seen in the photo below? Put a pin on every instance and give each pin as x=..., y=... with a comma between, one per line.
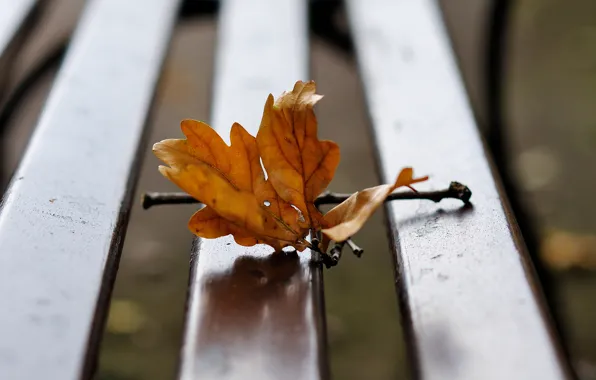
x=321, y=257
x=156, y=198
x=455, y=190
x=315, y=241
x=355, y=249
x=335, y=253
x=332, y=259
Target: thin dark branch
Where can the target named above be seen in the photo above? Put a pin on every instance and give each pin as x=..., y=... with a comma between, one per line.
x=156, y=198
x=320, y=256
x=315, y=241
x=332, y=259
x=455, y=191
x=355, y=249
x=335, y=252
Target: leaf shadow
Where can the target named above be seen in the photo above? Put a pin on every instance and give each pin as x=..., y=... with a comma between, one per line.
x=457, y=213
x=255, y=315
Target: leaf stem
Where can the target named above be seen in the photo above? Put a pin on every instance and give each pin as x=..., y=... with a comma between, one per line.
x=455, y=190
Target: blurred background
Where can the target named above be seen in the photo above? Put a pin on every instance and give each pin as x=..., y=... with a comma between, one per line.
x=542, y=129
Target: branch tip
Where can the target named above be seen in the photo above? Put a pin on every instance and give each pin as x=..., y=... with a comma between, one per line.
x=356, y=250
x=336, y=252
x=461, y=191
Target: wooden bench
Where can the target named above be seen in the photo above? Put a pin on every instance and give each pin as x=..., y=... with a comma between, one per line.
x=471, y=306
x=15, y=20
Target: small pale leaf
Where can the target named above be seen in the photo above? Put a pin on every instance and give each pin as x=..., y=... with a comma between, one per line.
x=347, y=218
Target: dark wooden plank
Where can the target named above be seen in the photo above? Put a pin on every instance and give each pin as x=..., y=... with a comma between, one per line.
x=12, y=17
x=471, y=305
x=13, y=21
x=63, y=219
x=252, y=314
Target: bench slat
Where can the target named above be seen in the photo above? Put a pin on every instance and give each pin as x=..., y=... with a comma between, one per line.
x=471, y=306
x=13, y=17
x=251, y=313
x=64, y=216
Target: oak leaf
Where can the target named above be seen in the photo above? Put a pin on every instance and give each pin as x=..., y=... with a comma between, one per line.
x=229, y=180
x=299, y=165
x=275, y=207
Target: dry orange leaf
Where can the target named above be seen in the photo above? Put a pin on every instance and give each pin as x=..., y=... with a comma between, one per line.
x=299, y=165
x=229, y=180
x=347, y=218
x=278, y=210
